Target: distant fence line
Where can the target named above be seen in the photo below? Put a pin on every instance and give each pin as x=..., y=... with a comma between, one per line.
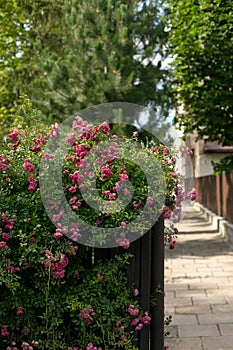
x=216, y=194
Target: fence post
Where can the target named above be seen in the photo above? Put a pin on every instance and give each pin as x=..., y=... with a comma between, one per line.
x=145, y=262
x=157, y=286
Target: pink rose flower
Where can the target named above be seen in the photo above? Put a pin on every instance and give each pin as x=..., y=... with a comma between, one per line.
x=32, y=183
x=106, y=172
x=71, y=139
x=193, y=194
x=132, y=310
x=28, y=167
x=4, y=331
x=137, y=206
x=47, y=155
x=124, y=177
x=167, y=212
x=123, y=242
x=5, y=236
x=13, y=136
x=139, y=327
x=150, y=201
x=134, y=322
x=4, y=163
x=126, y=192
x=20, y=310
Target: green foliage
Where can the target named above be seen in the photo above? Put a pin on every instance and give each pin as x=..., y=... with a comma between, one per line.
x=53, y=296
x=15, y=63
x=167, y=322
x=201, y=44
x=73, y=54
x=103, y=289
x=108, y=55
x=50, y=317
x=225, y=164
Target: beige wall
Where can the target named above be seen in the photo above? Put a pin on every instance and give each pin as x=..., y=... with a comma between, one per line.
x=201, y=160
x=202, y=163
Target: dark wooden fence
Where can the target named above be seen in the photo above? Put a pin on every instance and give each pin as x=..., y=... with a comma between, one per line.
x=216, y=194
x=146, y=272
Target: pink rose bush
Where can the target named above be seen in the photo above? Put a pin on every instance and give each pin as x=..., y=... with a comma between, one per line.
x=58, y=297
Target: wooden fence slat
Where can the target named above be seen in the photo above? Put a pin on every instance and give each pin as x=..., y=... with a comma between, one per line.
x=134, y=273
x=157, y=280
x=146, y=273
x=145, y=286
x=216, y=193
x=134, y=270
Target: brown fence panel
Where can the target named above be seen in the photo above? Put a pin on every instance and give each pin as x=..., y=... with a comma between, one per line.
x=206, y=187
x=146, y=272
x=216, y=194
x=227, y=196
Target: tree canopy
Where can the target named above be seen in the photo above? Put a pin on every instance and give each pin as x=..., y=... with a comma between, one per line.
x=15, y=58
x=73, y=54
x=201, y=43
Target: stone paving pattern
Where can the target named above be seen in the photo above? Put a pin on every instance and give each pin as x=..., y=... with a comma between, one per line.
x=199, y=287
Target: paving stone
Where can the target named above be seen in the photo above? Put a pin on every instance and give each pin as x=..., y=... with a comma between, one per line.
x=179, y=302
x=193, y=310
x=216, y=318
x=226, y=292
x=201, y=262
x=209, y=300
x=169, y=295
x=187, y=280
x=190, y=293
x=218, y=343
x=205, y=274
x=221, y=281
x=200, y=273
x=227, y=268
x=226, y=263
x=210, y=269
x=184, y=344
x=204, y=285
x=226, y=329
x=169, y=309
x=226, y=257
x=191, y=271
x=229, y=300
x=173, y=331
x=175, y=286
x=222, y=273
x=186, y=331
x=184, y=320
x=222, y=308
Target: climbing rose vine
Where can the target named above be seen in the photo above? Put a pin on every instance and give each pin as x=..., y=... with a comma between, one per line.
x=53, y=296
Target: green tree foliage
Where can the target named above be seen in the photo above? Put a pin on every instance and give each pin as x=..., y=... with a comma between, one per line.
x=15, y=61
x=201, y=44
x=89, y=52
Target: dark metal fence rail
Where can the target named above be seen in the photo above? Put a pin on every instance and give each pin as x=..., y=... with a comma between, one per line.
x=216, y=194
x=146, y=272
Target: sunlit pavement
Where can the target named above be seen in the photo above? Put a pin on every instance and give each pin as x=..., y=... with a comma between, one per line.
x=199, y=287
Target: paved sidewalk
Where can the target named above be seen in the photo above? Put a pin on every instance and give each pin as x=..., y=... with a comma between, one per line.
x=199, y=287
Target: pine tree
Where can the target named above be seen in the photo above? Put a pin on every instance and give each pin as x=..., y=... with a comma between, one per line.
x=90, y=52
x=107, y=53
